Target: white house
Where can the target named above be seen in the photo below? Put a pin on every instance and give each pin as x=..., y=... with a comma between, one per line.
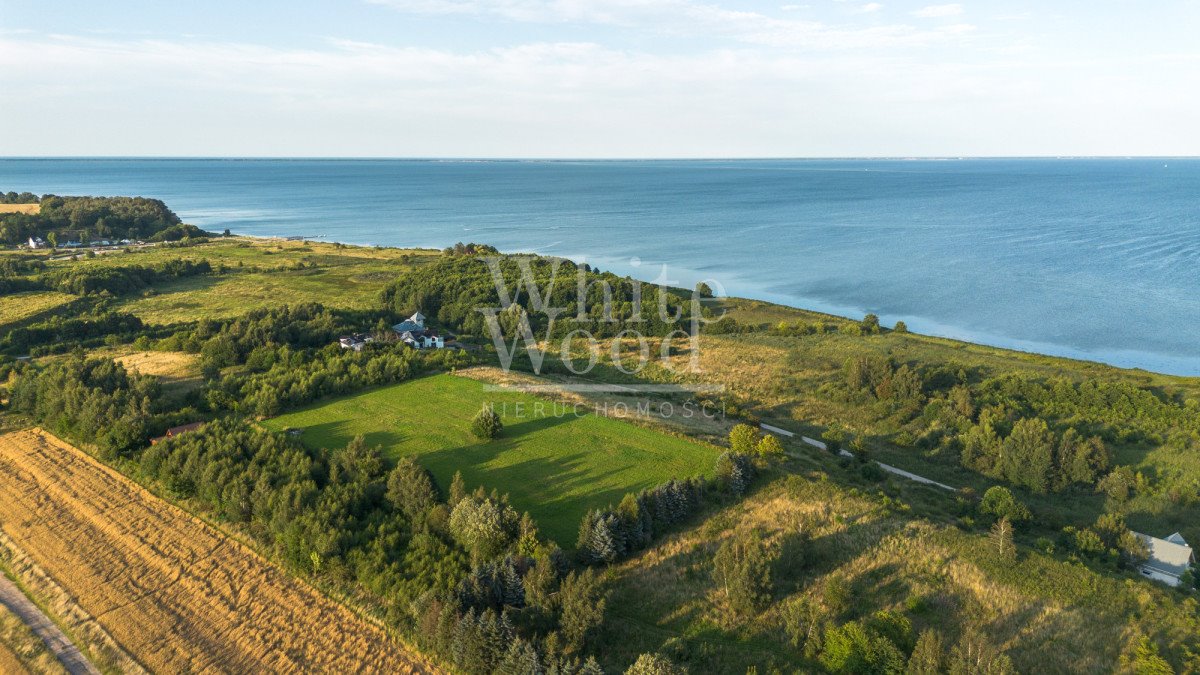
x=412, y=332
x=36, y=242
x=422, y=339
x=1169, y=558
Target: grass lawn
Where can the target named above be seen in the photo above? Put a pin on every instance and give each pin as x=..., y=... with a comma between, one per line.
x=556, y=466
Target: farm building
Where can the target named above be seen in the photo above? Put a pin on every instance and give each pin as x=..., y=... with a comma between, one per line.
x=175, y=431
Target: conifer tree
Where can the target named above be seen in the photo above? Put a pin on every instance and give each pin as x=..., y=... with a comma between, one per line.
x=458, y=490
x=513, y=590
x=583, y=603
x=522, y=658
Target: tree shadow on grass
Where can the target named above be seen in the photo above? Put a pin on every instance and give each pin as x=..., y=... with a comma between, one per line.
x=336, y=435
x=557, y=489
x=666, y=604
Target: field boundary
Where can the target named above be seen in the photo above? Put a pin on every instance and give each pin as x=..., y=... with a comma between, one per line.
x=44, y=628
x=83, y=630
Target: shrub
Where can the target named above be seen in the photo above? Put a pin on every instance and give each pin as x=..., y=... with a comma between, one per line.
x=743, y=438
x=854, y=648
x=770, y=446
x=487, y=424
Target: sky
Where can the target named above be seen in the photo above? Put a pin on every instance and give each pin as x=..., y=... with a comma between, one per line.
x=599, y=78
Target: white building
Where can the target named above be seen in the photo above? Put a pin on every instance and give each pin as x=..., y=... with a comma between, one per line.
x=355, y=342
x=36, y=242
x=1169, y=558
x=412, y=332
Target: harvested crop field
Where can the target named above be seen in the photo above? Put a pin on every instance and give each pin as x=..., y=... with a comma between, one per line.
x=21, y=208
x=174, y=593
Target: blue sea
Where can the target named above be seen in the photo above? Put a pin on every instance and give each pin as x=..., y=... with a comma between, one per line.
x=1088, y=258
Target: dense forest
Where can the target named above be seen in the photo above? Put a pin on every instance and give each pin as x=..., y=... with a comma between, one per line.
x=92, y=218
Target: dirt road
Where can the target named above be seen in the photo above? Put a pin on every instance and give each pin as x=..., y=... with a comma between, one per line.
x=62, y=648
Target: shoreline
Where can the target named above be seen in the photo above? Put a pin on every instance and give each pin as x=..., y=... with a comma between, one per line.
x=916, y=325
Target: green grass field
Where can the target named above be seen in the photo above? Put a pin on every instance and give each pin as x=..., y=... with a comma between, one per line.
x=19, y=307
x=555, y=466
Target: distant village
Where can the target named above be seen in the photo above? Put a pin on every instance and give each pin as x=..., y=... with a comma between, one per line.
x=37, y=243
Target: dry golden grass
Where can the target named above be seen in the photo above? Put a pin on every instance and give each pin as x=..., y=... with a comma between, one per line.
x=171, y=591
x=21, y=208
x=178, y=370
x=1049, y=615
x=171, y=365
x=9, y=663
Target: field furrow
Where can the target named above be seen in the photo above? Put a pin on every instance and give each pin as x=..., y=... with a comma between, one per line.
x=175, y=593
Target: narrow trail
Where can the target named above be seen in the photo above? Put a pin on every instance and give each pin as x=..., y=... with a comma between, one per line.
x=41, y=625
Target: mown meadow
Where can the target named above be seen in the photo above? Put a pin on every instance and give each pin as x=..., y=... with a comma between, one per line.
x=554, y=463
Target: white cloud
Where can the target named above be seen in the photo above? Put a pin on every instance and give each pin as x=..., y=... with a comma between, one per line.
x=690, y=18
x=939, y=11
x=779, y=88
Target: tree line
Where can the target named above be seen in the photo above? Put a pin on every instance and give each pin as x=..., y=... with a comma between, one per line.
x=96, y=218
x=453, y=289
